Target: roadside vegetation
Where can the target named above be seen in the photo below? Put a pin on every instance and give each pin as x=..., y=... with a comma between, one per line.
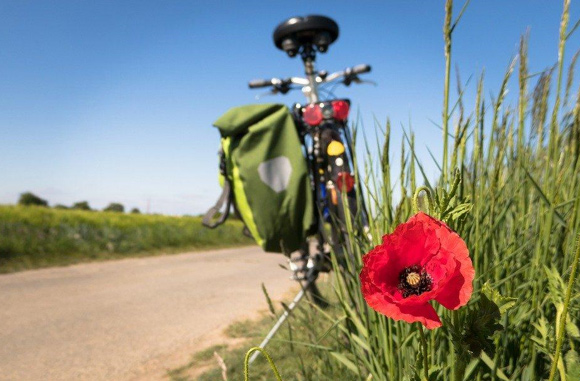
x=509, y=185
x=294, y=348
x=30, y=199
x=36, y=236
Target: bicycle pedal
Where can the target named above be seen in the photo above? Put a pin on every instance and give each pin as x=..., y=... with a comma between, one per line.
x=298, y=259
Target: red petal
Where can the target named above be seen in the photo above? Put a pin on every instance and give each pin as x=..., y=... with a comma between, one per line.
x=423, y=313
x=413, y=242
x=381, y=270
x=427, y=242
x=457, y=291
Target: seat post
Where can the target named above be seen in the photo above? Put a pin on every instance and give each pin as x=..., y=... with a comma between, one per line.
x=308, y=55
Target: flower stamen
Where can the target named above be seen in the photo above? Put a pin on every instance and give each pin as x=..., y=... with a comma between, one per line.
x=414, y=280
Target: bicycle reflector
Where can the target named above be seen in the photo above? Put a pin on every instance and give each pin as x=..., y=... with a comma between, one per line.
x=312, y=114
x=341, y=109
x=344, y=181
x=335, y=148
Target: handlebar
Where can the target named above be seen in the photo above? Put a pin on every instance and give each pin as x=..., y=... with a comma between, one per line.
x=360, y=69
x=257, y=83
x=349, y=74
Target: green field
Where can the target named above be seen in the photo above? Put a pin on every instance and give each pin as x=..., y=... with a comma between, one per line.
x=32, y=237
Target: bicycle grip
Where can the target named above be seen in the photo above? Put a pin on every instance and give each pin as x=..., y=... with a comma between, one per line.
x=363, y=68
x=256, y=83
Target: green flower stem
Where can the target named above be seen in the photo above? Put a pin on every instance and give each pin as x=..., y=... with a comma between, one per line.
x=247, y=363
x=425, y=352
x=562, y=327
x=459, y=363
x=459, y=369
x=447, y=31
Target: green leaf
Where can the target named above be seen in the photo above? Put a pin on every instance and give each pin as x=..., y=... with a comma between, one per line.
x=270, y=305
x=470, y=368
x=479, y=326
x=572, y=365
x=460, y=210
x=556, y=285
x=333, y=326
x=489, y=362
x=435, y=371
x=345, y=361
x=572, y=328
x=361, y=343
x=504, y=303
x=557, y=215
x=543, y=329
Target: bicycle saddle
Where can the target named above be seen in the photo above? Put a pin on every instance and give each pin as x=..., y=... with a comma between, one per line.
x=312, y=30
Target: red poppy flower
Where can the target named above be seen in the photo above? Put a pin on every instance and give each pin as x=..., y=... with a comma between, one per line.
x=422, y=260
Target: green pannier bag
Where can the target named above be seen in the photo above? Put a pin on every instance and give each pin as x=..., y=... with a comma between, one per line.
x=265, y=175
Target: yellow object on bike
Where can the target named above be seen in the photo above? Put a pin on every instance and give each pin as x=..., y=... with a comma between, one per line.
x=335, y=148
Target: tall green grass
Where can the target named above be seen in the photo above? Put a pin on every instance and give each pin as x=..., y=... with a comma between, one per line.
x=521, y=175
x=33, y=237
x=520, y=180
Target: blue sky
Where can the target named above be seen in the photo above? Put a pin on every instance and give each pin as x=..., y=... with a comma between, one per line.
x=113, y=100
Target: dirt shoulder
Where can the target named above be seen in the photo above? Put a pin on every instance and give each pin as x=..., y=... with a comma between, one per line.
x=129, y=319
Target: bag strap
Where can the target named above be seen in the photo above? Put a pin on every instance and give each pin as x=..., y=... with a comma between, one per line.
x=225, y=197
x=247, y=232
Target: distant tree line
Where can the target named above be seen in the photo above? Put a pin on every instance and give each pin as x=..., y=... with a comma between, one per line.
x=29, y=198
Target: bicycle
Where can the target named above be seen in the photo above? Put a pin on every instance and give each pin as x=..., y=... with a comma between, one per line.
x=328, y=146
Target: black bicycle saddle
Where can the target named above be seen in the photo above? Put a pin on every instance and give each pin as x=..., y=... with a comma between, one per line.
x=312, y=30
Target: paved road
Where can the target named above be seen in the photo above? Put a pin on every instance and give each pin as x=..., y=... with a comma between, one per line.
x=127, y=319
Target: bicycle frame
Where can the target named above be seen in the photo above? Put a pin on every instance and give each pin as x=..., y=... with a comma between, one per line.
x=323, y=166
x=310, y=91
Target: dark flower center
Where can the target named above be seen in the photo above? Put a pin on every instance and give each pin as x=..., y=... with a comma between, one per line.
x=414, y=280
